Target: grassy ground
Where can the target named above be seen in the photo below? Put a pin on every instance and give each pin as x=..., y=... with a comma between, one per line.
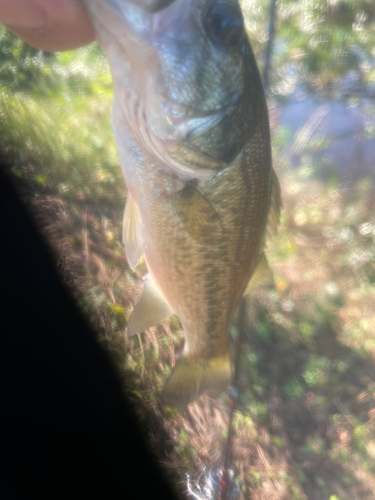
x=306, y=415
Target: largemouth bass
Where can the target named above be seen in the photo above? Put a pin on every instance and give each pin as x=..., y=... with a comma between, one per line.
x=192, y=131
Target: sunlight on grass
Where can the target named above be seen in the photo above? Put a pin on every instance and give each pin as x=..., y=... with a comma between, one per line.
x=62, y=123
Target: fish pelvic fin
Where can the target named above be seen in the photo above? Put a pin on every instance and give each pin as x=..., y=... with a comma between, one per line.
x=262, y=276
x=151, y=308
x=275, y=207
x=132, y=235
x=192, y=376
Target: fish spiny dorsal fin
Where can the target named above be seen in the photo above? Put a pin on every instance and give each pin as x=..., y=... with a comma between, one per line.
x=132, y=235
x=262, y=276
x=192, y=376
x=275, y=207
x=150, y=309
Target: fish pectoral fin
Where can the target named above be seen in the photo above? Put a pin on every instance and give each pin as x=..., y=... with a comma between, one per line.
x=196, y=213
x=262, y=276
x=275, y=207
x=132, y=235
x=192, y=376
x=150, y=309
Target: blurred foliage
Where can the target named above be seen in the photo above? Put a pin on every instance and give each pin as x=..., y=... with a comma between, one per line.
x=318, y=42
x=20, y=64
x=56, y=111
x=24, y=69
x=304, y=427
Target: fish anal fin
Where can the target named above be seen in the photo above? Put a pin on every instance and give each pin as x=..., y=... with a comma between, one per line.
x=150, y=309
x=132, y=235
x=275, y=207
x=192, y=376
x=262, y=276
x=196, y=213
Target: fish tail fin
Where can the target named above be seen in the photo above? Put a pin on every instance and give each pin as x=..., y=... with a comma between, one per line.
x=192, y=376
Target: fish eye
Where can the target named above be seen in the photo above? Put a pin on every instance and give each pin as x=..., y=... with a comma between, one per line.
x=224, y=24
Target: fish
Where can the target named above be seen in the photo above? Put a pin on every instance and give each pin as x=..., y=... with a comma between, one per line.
x=191, y=126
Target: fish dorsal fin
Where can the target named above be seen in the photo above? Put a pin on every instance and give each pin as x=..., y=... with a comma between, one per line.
x=196, y=213
x=262, y=276
x=150, y=309
x=275, y=207
x=132, y=235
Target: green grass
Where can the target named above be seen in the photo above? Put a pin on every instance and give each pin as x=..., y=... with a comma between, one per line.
x=306, y=416
x=62, y=123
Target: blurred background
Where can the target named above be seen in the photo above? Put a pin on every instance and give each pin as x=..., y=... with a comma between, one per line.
x=305, y=422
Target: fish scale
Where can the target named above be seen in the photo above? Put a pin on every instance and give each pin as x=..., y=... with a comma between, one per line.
x=197, y=162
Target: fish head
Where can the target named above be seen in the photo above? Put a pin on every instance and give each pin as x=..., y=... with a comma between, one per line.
x=185, y=78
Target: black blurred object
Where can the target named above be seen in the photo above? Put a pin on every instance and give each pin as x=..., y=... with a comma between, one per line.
x=66, y=429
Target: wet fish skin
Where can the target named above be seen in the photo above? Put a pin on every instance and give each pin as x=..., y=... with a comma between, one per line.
x=192, y=131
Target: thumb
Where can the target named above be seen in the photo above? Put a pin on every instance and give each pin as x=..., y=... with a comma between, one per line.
x=48, y=25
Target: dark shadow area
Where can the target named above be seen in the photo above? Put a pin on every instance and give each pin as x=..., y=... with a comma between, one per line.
x=67, y=429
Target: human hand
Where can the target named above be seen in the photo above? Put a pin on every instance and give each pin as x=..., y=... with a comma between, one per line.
x=50, y=25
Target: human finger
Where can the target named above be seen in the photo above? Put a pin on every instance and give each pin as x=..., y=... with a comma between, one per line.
x=50, y=25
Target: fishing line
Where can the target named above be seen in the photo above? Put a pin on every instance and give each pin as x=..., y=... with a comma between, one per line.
x=232, y=401
x=217, y=482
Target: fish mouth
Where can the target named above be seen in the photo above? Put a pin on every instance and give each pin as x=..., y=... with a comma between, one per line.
x=184, y=128
x=164, y=129
x=150, y=6
x=188, y=121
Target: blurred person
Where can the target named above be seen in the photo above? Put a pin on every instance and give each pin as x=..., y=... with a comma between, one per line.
x=48, y=25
